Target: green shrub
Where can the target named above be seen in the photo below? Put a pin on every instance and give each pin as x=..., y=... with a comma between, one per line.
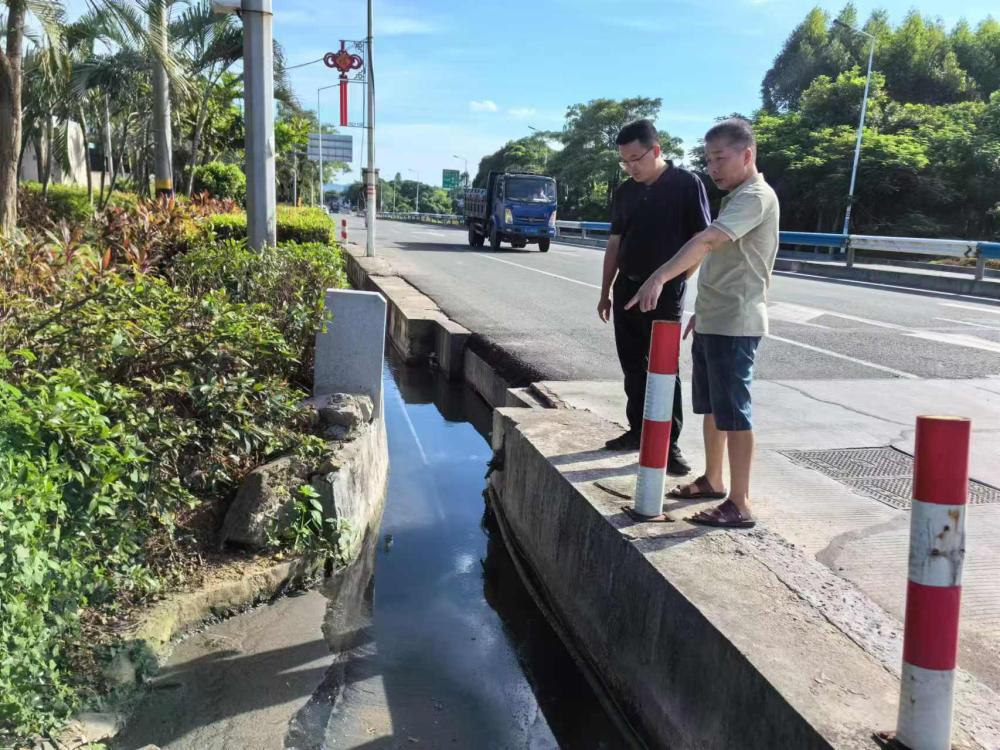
x=293, y=225
x=221, y=180
x=289, y=280
x=76, y=507
x=131, y=406
x=63, y=201
x=305, y=225
x=227, y=226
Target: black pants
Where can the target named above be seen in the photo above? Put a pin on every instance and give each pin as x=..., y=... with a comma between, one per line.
x=633, y=330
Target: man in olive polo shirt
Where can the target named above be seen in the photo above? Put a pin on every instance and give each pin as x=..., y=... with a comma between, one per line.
x=737, y=254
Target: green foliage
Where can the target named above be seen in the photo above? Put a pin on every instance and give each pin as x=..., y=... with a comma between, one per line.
x=67, y=470
x=221, y=181
x=312, y=530
x=293, y=225
x=930, y=159
x=62, y=201
x=130, y=409
x=287, y=280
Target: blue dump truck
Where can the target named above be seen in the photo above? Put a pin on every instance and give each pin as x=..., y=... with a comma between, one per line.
x=513, y=207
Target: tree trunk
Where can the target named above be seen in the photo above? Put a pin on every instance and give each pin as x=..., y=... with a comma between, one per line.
x=199, y=126
x=39, y=159
x=109, y=159
x=86, y=156
x=10, y=114
x=164, y=170
x=49, y=148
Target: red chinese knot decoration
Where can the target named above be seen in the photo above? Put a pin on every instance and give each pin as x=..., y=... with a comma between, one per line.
x=345, y=62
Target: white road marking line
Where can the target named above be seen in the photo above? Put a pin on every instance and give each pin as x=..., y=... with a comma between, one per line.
x=837, y=355
x=954, y=339
x=536, y=270
x=982, y=309
x=431, y=233
x=969, y=323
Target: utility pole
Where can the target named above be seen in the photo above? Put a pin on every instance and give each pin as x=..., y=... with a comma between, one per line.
x=372, y=176
x=258, y=64
x=295, y=179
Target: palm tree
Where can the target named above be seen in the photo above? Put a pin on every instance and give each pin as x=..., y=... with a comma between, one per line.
x=49, y=13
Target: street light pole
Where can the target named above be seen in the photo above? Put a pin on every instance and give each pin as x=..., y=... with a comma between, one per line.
x=418, y=187
x=372, y=175
x=466, y=172
x=545, y=154
x=319, y=124
x=857, y=146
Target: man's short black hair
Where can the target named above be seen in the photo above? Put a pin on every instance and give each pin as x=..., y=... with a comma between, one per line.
x=642, y=130
x=737, y=132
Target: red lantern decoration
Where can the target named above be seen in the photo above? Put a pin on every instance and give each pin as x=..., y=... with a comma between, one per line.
x=345, y=62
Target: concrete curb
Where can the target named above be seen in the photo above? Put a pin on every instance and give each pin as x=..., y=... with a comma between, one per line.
x=901, y=279
x=424, y=335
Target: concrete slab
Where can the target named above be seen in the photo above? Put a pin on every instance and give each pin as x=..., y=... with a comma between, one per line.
x=860, y=539
x=350, y=351
x=769, y=628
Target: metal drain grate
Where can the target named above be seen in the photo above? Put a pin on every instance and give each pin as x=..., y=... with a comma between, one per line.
x=885, y=474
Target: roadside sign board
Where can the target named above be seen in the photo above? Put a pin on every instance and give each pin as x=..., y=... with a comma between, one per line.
x=450, y=178
x=335, y=147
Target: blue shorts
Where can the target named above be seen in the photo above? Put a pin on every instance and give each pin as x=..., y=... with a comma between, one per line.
x=721, y=376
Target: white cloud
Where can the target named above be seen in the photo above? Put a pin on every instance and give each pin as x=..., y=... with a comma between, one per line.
x=486, y=105
x=402, y=26
x=521, y=112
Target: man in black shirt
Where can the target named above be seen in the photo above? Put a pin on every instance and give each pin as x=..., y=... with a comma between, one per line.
x=654, y=213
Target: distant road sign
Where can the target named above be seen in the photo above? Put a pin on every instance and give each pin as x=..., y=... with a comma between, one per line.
x=335, y=147
x=450, y=178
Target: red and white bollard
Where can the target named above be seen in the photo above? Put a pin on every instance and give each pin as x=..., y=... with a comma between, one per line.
x=934, y=589
x=661, y=378
x=343, y=230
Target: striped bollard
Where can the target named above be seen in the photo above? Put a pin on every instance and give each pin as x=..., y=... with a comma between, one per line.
x=343, y=230
x=934, y=588
x=661, y=378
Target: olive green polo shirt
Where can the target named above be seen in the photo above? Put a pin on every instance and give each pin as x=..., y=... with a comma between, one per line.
x=733, y=280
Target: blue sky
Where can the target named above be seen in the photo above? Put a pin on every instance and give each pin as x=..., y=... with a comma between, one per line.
x=461, y=77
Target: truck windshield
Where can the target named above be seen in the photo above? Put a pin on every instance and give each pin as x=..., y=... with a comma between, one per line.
x=531, y=191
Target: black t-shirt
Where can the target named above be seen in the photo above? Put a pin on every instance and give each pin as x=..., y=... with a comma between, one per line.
x=655, y=221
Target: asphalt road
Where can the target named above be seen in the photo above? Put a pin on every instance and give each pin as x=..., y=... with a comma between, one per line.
x=541, y=307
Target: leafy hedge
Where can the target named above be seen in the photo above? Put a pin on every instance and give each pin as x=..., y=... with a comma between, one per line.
x=221, y=181
x=131, y=406
x=294, y=224
x=65, y=202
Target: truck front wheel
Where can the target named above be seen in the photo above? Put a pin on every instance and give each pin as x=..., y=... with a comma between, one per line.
x=543, y=245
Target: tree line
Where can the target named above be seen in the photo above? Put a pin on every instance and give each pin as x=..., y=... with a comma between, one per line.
x=930, y=159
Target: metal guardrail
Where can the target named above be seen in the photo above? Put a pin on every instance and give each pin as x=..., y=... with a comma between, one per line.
x=980, y=251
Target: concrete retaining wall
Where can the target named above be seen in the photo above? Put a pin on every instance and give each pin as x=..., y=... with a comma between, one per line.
x=700, y=644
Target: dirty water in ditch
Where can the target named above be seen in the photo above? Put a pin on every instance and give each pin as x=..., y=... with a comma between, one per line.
x=429, y=640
